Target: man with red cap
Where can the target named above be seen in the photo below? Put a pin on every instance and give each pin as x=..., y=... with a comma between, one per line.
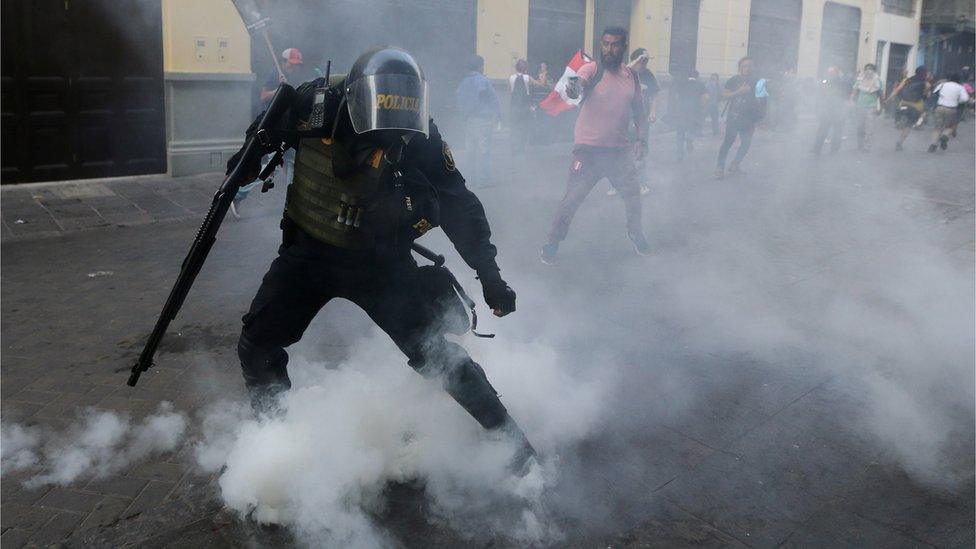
x=293, y=72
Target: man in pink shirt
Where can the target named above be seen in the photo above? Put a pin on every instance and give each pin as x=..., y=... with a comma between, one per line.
x=611, y=102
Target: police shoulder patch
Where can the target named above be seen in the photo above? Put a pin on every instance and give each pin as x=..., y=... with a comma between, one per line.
x=448, y=157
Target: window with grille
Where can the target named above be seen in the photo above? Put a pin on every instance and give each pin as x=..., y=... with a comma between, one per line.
x=899, y=7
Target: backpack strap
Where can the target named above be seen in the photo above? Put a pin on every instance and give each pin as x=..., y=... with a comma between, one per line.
x=637, y=104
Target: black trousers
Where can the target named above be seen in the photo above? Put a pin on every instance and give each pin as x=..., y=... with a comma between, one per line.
x=307, y=274
x=735, y=128
x=829, y=123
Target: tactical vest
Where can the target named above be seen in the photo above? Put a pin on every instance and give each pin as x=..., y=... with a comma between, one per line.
x=327, y=207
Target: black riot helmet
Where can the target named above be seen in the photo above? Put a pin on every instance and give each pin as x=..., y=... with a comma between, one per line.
x=386, y=90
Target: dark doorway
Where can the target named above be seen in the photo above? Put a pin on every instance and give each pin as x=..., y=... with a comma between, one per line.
x=774, y=34
x=897, y=62
x=82, y=89
x=557, y=28
x=839, y=37
x=609, y=13
x=684, y=36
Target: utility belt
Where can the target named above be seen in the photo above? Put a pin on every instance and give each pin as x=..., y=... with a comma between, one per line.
x=292, y=234
x=442, y=296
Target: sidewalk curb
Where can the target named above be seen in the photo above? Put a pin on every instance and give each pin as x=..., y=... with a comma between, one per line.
x=94, y=181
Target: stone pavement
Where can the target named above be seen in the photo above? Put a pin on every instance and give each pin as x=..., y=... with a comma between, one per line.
x=767, y=457
x=42, y=210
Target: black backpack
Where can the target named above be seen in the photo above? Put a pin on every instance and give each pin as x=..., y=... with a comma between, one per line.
x=520, y=94
x=913, y=91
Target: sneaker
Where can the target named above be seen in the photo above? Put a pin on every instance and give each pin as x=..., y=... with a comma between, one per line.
x=734, y=169
x=644, y=189
x=548, y=255
x=640, y=244
x=898, y=146
x=719, y=173
x=612, y=192
x=932, y=147
x=944, y=142
x=233, y=210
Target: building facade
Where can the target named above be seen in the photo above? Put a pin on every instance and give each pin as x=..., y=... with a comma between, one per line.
x=947, y=38
x=97, y=88
x=710, y=35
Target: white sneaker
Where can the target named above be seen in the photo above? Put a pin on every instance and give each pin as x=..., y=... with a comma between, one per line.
x=612, y=192
x=644, y=189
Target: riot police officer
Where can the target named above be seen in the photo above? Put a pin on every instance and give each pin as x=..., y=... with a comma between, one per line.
x=371, y=175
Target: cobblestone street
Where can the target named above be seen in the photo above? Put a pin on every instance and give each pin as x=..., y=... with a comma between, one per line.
x=767, y=446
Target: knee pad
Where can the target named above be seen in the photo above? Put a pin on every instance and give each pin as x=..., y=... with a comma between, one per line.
x=262, y=366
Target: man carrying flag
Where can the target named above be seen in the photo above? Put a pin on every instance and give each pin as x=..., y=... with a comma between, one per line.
x=609, y=96
x=557, y=101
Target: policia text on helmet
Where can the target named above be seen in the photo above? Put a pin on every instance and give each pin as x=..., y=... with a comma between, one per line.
x=372, y=174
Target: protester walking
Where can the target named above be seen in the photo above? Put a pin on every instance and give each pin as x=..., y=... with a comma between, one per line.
x=950, y=94
x=868, y=96
x=911, y=94
x=520, y=107
x=478, y=108
x=649, y=90
x=611, y=101
x=744, y=111
x=714, y=91
x=832, y=95
x=685, y=108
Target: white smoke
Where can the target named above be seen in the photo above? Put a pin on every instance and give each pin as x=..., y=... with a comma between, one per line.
x=322, y=467
x=96, y=445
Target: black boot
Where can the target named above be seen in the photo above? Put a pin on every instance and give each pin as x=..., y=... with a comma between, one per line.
x=265, y=375
x=525, y=454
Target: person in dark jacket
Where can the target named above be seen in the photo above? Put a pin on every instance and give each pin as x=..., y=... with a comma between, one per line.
x=832, y=98
x=372, y=173
x=685, y=106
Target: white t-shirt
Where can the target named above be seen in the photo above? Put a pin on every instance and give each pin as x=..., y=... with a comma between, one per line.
x=951, y=94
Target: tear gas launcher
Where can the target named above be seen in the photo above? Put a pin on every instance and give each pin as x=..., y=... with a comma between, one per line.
x=257, y=145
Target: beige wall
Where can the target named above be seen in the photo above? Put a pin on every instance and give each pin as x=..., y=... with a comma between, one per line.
x=502, y=34
x=898, y=29
x=212, y=22
x=723, y=35
x=723, y=32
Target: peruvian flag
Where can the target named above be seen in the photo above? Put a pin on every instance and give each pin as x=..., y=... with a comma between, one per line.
x=557, y=101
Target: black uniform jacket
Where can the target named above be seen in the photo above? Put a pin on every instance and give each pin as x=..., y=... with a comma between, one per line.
x=462, y=215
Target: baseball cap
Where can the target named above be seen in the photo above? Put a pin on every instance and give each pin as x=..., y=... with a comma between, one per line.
x=293, y=56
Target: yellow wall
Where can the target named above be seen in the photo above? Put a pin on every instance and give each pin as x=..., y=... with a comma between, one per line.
x=810, y=26
x=502, y=34
x=723, y=33
x=212, y=22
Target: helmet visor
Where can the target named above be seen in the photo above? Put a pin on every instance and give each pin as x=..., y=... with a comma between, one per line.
x=388, y=102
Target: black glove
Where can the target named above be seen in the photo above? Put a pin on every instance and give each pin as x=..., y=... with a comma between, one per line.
x=498, y=295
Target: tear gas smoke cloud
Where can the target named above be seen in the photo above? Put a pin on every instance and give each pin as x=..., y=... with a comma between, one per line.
x=599, y=350
x=98, y=444
x=323, y=466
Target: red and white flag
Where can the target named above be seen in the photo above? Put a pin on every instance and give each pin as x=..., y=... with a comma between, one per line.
x=557, y=101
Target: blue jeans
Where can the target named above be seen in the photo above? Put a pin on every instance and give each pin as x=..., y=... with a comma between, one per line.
x=477, y=149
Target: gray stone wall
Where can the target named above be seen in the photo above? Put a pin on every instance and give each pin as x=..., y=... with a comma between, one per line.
x=206, y=115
